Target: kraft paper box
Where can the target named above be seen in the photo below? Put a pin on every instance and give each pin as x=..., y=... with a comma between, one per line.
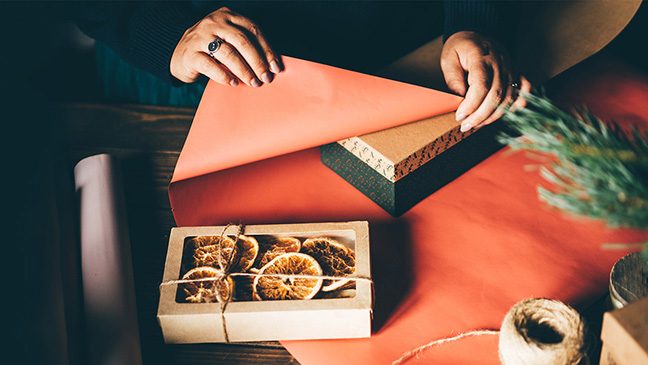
x=400, y=166
x=321, y=317
x=625, y=335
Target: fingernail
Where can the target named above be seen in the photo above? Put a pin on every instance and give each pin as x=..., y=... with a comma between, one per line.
x=274, y=67
x=256, y=83
x=234, y=82
x=465, y=127
x=266, y=77
x=460, y=116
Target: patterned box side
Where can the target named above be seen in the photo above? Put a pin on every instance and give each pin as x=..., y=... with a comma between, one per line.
x=370, y=156
x=356, y=172
x=396, y=171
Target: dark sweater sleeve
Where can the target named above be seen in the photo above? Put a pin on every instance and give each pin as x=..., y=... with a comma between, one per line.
x=143, y=33
x=481, y=16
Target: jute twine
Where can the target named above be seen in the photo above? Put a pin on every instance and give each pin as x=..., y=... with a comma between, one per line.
x=533, y=332
x=543, y=331
x=225, y=274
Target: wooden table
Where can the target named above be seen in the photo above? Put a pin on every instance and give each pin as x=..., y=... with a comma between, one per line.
x=148, y=141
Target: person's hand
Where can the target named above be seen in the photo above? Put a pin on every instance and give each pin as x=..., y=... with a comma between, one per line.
x=243, y=55
x=490, y=80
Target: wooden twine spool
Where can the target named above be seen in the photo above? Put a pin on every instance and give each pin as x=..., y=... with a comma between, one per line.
x=543, y=331
x=628, y=280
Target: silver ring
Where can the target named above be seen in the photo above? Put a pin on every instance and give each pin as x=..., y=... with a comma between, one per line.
x=213, y=47
x=515, y=85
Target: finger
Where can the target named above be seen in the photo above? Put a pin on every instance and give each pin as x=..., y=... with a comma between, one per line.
x=489, y=104
x=272, y=58
x=500, y=110
x=479, y=80
x=249, y=49
x=232, y=59
x=525, y=88
x=188, y=76
x=207, y=66
x=453, y=73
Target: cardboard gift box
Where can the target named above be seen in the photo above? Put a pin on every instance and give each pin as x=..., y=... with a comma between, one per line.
x=345, y=311
x=625, y=335
x=399, y=167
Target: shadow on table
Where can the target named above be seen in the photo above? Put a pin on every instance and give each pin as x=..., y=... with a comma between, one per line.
x=148, y=236
x=592, y=307
x=391, y=267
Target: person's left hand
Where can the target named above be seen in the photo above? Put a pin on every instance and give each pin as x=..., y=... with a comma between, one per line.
x=490, y=80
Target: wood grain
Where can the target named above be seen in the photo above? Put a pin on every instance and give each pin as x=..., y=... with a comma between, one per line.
x=148, y=140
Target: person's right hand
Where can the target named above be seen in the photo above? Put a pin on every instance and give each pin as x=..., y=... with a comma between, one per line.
x=244, y=55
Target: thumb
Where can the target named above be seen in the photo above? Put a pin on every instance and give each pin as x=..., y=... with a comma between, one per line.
x=454, y=74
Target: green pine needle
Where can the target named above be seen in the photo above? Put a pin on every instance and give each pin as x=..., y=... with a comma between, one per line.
x=600, y=171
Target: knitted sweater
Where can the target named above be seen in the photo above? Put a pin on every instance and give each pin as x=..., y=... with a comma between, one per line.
x=146, y=33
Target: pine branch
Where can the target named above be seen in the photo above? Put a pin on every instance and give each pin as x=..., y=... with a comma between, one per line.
x=600, y=170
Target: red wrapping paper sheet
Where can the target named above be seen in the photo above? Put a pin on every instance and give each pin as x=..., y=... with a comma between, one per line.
x=455, y=262
x=307, y=105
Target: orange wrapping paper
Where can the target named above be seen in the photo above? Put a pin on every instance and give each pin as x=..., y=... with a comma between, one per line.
x=458, y=260
x=307, y=105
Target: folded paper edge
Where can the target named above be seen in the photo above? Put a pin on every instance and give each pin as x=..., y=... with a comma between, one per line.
x=186, y=176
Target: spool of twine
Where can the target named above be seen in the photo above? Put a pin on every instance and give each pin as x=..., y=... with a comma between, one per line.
x=533, y=332
x=543, y=331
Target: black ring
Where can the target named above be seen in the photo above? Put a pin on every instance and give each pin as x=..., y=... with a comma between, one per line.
x=214, y=46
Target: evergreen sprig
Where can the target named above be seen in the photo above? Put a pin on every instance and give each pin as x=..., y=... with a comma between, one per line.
x=599, y=171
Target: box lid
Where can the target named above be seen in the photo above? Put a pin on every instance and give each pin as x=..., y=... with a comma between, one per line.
x=398, y=151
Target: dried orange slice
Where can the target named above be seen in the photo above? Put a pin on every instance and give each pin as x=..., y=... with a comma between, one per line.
x=249, y=249
x=212, y=250
x=215, y=251
x=279, y=288
x=206, y=291
x=335, y=258
x=278, y=246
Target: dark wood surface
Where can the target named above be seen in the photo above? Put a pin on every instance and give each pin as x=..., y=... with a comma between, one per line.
x=148, y=140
